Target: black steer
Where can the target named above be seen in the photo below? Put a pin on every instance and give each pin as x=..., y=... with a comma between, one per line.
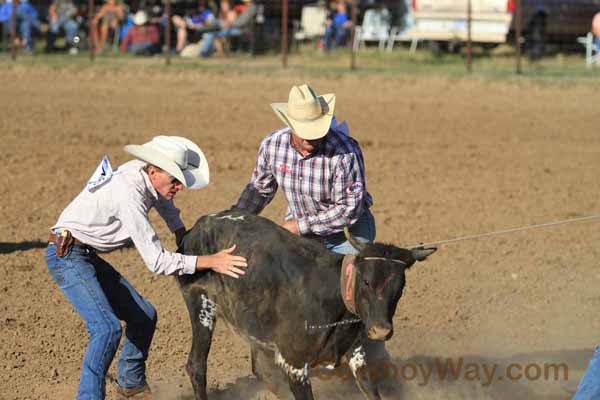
x=298, y=304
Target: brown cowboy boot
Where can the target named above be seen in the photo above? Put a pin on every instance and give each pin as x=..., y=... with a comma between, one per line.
x=141, y=393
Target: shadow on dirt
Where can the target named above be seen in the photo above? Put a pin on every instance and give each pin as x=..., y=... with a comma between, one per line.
x=6, y=248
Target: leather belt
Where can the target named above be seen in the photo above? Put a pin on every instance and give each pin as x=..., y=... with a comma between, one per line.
x=52, y=240
x=65, y=242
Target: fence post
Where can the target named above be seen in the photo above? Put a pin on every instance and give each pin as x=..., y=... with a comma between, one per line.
x=13, y=30
x=91, y=28
x=518, y=32
x=469, y=38
x=168, y=33
x=353, y=32
x=284, y=32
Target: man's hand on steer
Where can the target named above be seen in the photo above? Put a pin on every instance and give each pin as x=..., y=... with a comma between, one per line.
x=223, y=262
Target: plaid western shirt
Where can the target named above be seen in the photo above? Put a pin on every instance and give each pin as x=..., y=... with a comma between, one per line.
x=326, y=190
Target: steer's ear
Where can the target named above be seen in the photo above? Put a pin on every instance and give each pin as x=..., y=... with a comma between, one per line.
x=421, y=253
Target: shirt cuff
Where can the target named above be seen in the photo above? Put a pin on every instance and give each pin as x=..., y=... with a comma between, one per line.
x=303, y=226
x=189, y=264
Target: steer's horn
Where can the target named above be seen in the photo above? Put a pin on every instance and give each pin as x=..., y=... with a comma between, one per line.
x=420, y=253
x=355, y=243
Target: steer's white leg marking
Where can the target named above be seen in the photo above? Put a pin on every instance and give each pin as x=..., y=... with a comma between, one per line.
x=296, y=374
x=208, y=312
x=238, y=218
x=357, y=360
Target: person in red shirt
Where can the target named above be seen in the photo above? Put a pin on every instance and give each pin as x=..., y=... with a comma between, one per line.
x=141, y=38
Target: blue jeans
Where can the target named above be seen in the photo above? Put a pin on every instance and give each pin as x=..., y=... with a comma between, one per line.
x=335, y=36
x=68, y=24
x=208, y=39
x=597, y=44
x=144, y=49
x=102, y=297
x=363, y=231
x=26, y=20
x=589, y=387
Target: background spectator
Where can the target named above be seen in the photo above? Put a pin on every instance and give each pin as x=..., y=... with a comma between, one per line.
x=241, y=24
x=27, y=18
x=227, y=14
x=196, y=23
x=142, y=38
x=61, y=14
x=108, y=17
x=337, y=27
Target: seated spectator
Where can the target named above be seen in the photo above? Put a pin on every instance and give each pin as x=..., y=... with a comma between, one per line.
x=195, y=24
x=108, y=17
x=27, y=18
x=227, y=14
x=242, y=23
x=142, y=38
x=337, y=27
x=61, y=14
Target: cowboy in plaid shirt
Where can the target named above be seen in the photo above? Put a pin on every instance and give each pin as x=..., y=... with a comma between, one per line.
x=320, y=169
x=325, y=189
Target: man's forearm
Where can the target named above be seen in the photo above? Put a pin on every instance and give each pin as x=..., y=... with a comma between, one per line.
x=252, y=200
x=179, y=234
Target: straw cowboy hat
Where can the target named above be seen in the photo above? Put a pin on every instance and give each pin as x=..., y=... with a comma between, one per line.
x=307, y=114
x=140, y=18
x=178, y=156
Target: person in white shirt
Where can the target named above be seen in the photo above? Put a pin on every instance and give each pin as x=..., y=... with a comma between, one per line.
x=110, y=213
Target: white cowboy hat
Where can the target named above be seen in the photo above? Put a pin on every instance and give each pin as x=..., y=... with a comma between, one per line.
x=308, y=115
x=140, y=18
x=178, y=156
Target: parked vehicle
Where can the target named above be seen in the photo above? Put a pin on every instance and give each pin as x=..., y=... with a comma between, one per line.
x=443, y=23
x=555, y=22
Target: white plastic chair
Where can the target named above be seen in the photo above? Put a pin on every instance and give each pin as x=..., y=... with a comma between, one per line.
x=398, y=34
x=375, y=28
x=312, y=23
x=591, y=52
x=402, y=33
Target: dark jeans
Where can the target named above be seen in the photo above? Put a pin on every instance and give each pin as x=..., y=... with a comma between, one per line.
x=144, y=49
x=25, y=23
x=102, y=297
x=335, y=36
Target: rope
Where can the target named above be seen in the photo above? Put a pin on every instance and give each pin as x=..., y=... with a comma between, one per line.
x=511, y=230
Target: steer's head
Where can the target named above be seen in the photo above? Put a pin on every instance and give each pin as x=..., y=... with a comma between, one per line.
x=377, y=274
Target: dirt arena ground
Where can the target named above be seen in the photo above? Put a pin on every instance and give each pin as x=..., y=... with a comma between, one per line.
x=444, y=156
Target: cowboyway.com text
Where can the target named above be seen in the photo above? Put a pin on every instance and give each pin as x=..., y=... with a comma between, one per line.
x=440, y=369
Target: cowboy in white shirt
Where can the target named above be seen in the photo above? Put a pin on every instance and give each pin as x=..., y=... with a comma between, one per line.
x=111, y=212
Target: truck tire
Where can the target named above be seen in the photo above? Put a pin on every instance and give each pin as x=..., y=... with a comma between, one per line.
x=536, y=38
